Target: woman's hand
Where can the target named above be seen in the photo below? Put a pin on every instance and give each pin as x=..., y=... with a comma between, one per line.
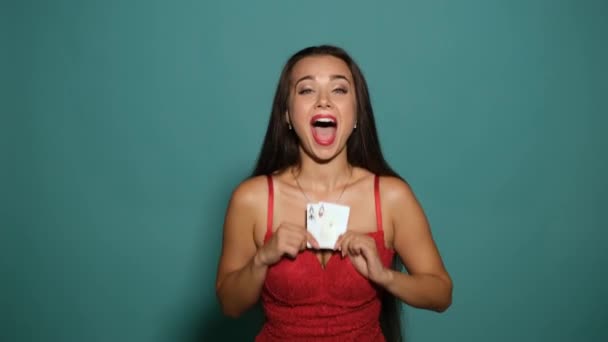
x=288, y=239
x=362, y=251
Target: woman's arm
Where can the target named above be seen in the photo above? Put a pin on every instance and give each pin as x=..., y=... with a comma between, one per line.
x=240, y=272
x=427, y=284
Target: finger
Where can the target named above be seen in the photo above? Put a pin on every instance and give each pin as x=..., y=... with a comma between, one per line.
x=291, y=234
x=341, y=241
x=346, y=244
x=303, y=244
x=289, y=242
x=286, y=230
x=354, y=247
x=369, y=246
x=297, y=240
x=302, y=237
x=364, y=248
x=311, y=239
x=367, y=249
x=299, y=236
x=292, y=251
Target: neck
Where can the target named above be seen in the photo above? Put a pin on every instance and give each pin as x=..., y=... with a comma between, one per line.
x=323, y=178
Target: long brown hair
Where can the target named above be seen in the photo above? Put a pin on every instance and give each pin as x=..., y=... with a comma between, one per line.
x=280, y=150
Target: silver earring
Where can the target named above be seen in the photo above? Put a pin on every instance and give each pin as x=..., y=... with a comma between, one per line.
x=287, y=119
x=355, y=125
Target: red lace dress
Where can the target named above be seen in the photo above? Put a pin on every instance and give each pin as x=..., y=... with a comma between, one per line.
x=305, y=302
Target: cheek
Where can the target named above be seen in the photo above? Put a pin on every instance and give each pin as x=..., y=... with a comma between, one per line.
x=300, y=103
x=348, y=108
x=300, y=108
x=297, y=114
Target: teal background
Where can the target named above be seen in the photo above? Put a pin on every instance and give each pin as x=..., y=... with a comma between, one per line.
x=126, y=125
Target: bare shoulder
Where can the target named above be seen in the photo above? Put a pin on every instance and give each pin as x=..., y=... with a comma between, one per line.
x=396, y=192
x=405, y=213
x=248, y=201
x=250, y=193
x=238, y=244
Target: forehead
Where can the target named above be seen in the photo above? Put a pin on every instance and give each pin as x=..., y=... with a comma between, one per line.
x=320, y=67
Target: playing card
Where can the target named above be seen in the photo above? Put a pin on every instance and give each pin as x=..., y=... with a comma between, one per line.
x=331, y=221
x=312, y=220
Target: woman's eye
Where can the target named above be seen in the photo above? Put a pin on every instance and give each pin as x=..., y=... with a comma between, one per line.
x=305, y=91
x=341, y=90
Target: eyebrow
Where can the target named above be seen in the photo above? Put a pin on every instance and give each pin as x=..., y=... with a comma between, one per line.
x=332, y=78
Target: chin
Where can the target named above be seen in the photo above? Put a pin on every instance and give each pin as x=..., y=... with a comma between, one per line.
x=325, y=154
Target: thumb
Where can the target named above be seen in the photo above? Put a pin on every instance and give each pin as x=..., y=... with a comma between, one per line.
x=311, y=239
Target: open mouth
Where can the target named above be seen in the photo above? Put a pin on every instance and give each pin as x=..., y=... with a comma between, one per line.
x=324, y=129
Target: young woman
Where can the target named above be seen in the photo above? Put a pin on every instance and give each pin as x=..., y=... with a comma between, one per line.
x=321, y=145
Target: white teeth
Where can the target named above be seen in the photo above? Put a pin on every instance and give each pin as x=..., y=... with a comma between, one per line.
x=324, y=120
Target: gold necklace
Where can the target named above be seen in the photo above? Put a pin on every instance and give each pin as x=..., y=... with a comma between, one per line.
x=306, y=196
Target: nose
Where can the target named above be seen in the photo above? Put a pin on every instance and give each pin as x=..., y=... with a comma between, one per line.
x=323, y=100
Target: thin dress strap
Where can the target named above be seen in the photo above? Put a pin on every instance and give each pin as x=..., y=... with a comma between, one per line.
x=378, y=204
x=270, y=206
